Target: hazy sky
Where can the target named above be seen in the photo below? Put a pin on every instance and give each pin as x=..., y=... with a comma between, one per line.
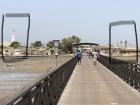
x=88, y=19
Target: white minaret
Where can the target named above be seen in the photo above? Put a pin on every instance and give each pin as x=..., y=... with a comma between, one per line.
x=13, y=36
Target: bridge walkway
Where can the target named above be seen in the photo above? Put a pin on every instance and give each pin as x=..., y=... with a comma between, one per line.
x=96, y=85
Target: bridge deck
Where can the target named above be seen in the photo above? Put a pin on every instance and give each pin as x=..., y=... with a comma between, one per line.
x=96, y=85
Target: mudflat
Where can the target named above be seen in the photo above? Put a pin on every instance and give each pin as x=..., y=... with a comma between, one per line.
x=14, y=77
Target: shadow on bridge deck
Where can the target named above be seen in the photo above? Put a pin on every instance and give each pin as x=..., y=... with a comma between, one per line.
x=96, y=85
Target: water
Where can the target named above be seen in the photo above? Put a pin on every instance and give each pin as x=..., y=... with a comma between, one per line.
x=15, y=80
x=17, y=76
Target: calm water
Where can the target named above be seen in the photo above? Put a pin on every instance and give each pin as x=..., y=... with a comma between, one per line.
x=15, y=80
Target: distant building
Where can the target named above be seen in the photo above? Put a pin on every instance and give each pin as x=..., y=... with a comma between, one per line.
x=18, y=52
x=84, y=47
x=52, y=51
x=6, y=44
x=118, y=51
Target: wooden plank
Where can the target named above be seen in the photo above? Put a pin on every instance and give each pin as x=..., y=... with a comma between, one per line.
x=96, y=85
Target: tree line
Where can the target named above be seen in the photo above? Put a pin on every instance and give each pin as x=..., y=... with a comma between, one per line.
x=65, y=44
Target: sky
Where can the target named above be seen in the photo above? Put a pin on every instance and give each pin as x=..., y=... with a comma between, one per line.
x=56, y=19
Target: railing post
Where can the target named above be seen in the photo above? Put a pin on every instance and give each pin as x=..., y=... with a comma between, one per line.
x=109, y=43
x=136, y=36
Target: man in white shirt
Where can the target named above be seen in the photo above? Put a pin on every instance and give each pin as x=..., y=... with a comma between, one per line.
x=95, y=56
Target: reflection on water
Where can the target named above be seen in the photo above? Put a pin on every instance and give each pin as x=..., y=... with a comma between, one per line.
x=14, y=77
x=10, y=87
x=17, y=76
x=15, y=80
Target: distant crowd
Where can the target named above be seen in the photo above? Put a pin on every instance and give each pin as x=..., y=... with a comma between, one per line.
x=95, y=55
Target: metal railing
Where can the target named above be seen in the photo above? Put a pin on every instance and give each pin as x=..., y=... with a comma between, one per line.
x=47, y=89
x=14, y=15
x=128, y=71
x=117, y=23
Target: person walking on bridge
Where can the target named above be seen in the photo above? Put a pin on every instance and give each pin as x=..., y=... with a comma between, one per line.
x=95, y=56
x=79, y=56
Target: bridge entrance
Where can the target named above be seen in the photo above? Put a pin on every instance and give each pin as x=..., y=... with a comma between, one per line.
x=85, y=47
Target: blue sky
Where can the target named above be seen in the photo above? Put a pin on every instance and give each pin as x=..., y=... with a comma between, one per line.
x=88, y=19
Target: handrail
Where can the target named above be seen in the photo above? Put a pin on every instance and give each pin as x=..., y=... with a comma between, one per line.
x=47, y=89
x=127, y=71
